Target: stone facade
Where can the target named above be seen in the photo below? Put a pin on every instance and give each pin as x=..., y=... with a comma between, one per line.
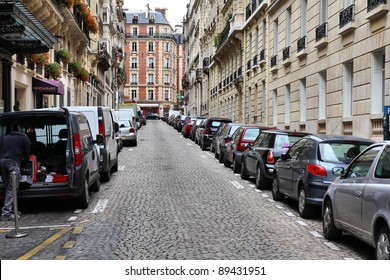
x=92, y=33
x=316, y=66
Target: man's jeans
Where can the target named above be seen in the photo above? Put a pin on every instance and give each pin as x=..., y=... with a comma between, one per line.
x=7, y=166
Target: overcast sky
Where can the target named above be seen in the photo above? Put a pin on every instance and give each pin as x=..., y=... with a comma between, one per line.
x=176, y=8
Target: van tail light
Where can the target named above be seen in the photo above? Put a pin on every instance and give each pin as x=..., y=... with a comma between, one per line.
x=316, y=170
x=207, y=131
x=132, y=130
x=101, y=128
x=270, y=157
x=78, y=151
x=226, y=140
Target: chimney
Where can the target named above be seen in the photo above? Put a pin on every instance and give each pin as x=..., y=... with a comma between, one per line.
x=163, y=11
x=147, y=11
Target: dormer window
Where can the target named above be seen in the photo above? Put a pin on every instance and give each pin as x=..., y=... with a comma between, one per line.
x=135, y=18
x=152, y=18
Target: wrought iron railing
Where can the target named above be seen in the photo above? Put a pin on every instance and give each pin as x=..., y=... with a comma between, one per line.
x=262, y=55
x=274, y=60
x=372, y=4
x=321, y=31
x=347, y=15
x=286, y=53
x=301, y=44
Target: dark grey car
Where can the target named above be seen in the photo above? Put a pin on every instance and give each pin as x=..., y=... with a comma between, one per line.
x=221, y=138
x=304, y=173
x=358, y=201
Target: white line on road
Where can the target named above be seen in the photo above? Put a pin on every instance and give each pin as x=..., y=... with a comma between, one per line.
x=237, y=185
x=259, y=191
x=235, y=174
x=210, y=155
x=332, y=246
x=77, y=211
x=34, y=227
x=203, y=156
x=279, y=207
x=72, y=218
x=100, y=206
x=348, y=259
x=271, y=200
x=130, y=149
x=315, y=234
x=289, y=214
x=302, y=223
x=121, y=167
x=251, y=185
x=189, y=144
x=265, y=195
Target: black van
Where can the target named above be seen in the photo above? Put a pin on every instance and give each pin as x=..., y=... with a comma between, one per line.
x=210, y=127
x=64, y=161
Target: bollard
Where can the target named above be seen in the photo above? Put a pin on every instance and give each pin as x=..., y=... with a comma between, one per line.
x=15, y=234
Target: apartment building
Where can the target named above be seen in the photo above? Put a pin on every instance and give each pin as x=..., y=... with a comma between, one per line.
x=79, y=62
x=319, y=66
x=154, y=61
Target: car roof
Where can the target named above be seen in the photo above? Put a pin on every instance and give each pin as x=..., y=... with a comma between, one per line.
x=328, y=137
x=287, y=132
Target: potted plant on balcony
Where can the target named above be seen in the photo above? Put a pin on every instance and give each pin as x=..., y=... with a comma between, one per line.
x=53, y=71
x=68, y=3
x=83, y=75
x=74, y=68
x=64, y=55
x=38, y=58
x=88, y=19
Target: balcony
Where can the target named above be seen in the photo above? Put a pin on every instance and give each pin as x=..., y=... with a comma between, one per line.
x=321, y=35
x=286, y=56
x=121, y=76
x=347, y=18
x=134, y=83
x=255, y=63
x=166, y=83
x=274, y=61
x=150, y=83
x=262, y=57
x=376, y=9
x=206, y=64
x=372, y=4
x=225, y=33
x=104, y=58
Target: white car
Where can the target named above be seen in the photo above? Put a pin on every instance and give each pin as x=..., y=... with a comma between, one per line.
x=127, y=132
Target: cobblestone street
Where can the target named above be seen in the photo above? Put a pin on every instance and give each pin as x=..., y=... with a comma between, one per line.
x=171, y=200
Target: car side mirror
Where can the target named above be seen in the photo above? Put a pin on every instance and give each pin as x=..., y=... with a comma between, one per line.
x=99, y=139
x=338, y=171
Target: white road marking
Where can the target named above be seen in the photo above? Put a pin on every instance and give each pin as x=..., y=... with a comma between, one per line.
x=236, y=174
x=289, y=214
x=259, y=191
x=131, y=149
x=251, y=185
x=271, y=200
x=203, y=156
x=265, y=195
x=78, y=211
x=315, y=234
x=35, y=227
x=210, y=155
x=100, y=206
x=332, y=246
x=279, y=207
x=302, y=223
x=237, y=185
x=72, y=218
x=121, y=167
x=189, y=144
x=348, y=259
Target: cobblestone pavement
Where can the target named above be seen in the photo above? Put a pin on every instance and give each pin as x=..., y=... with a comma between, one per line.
x=170, y=200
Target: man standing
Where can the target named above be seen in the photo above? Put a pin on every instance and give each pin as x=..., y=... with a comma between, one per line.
x=14, y=150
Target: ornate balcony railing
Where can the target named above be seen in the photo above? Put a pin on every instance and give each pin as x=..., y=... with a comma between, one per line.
x=274, y=60
x=239, y=72
x=301, y=44
x=321, y=31
x=372, y=4
x=225, y=33
x=206, y=62
x=248, y=11
x=347, y=15
x=262, y=55
x=248, y=65
x=255, y=60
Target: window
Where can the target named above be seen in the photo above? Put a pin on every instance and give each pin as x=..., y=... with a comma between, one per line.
x=361, y=166
x=383, y=168
x=294, y=151
x=347, y=88
x=275, y=107
x=288, y=27
x=303, y=18
x=150, y=94
x=105, y=15
x=165, y=31
x=151, y=31
x=134, y=63
x=166, y=46
x=133, y=94
x=276, y=41
x=377, y=82
x=134, y=47
x=287, y=105
x=166, y=94
x=135, y=31
x=150, y=79
x=135, y=18
x=322, y=90
x=302, y=100
x=150, y=47
x=263, y=100
x=257, y=41
x=166, y=63
x=324, y=11
x=166, y=79
x=134, y=79
x=151, y=63
x=249, y=104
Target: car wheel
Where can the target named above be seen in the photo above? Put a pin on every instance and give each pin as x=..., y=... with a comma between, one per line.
x=328, y=226
x=212, y=148
x=221, y=157
x=261, y=181
x=382, y=250
x=243, y=174
x=115, y=166
x=203, y=146
x=303, y=208
x=83, y=199
x=106, y=176
x=236, y=166
x=276, y=195
x=216, y=155
x=227, y=163
x=95, y=187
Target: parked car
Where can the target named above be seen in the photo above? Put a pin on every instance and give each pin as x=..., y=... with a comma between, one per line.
x=221, y=138
x=64, y=158
x=118, y=134
x=210, y=127
x=152, y=116
x=180, y=122
x=126, y=114
x=188, y=124
x=304, y=173
x=195, y=126
x=128, y=132
x=199, y=132
x=241, y=139
x=102, y=123
x=357, y=202
x=259, y=159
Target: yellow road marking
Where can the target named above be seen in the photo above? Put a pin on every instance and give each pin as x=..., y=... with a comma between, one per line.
x=4, y=230
x=44, y=244
x=77, y=230
x=69, y=244
x=60, y=258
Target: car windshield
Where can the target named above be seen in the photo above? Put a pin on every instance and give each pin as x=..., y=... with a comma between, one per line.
x=215, y=124
x=199, y=121
x=340, y=151
x=124, y=123
x=251, y=134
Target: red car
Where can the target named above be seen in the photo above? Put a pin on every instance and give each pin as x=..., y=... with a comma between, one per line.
x=244, y=135
x=189, y=122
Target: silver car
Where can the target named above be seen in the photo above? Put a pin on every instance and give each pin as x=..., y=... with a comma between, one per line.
x=128, y=132
x=358, y=202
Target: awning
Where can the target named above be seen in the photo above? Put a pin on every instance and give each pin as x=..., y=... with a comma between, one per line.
x=21, y=32
x=48, y=86
x=148, y=105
